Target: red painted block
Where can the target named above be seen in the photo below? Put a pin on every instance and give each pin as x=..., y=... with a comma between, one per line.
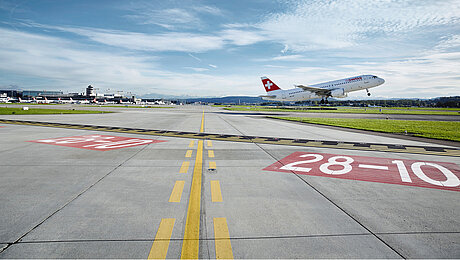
x=97, y=142
x=436, y=175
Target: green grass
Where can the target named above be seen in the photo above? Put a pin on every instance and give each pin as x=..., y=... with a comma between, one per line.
x=124, y=106
x=30, y=104
x=425, y=108
x=40, y=111
x=430, y=129
x=350, y=110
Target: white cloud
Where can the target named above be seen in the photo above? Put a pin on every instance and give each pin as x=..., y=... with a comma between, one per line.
x=289, y=57
x=195, y=57
x=285, y=49
x=170, y=18
x=171, y=41
x=197, y=69
x=212, y=66
x=449, y=43
x=208, y=9
x=54, y=63
x=241, y=37
x=316, y=25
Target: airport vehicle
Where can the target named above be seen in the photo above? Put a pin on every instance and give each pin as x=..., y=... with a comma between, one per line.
x=335, y=89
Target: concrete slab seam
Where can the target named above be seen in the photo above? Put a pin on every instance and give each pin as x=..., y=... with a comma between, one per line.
x=327, y=198
x=71, y=200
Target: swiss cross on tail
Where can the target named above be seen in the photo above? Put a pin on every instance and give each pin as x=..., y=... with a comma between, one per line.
x=268, y=84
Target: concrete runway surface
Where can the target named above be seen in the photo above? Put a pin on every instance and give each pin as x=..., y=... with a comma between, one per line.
x=70, y=193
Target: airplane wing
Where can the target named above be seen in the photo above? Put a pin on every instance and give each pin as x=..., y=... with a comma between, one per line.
x=317, y=91
x=268, y=96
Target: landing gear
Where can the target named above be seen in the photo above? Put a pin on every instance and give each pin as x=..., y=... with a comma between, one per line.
x=324, y=101
x=367, y=90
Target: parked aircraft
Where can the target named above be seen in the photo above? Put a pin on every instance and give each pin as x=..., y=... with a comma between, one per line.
x=41, y=100
x=65, y=101
x=83, y=101
x=335, y=89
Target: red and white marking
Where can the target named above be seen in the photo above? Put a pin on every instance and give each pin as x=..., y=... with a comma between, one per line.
x=436, y=175
x=97, y=142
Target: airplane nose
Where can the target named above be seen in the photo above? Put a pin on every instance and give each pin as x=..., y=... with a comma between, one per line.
x=382, y=81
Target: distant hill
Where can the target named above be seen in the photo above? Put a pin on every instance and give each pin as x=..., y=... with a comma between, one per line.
x=227, y=100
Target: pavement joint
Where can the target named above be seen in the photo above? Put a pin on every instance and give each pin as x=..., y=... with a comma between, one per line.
x=71, y=200
x=236, y=238
x=327, y=198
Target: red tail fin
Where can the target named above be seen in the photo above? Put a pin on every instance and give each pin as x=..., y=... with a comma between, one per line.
x=268, y=84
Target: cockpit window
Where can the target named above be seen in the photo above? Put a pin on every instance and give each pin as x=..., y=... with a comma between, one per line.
x=374, y=77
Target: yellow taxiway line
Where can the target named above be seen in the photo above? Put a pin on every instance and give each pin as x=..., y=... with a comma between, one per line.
x=184, y=167
x=191, y=243
x=216, y=194
x=161, y=243
x=222, y=239
x=176, y=193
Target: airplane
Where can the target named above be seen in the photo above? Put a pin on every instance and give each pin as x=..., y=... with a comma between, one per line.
x=83, y=101
x=41, y=101
x=27, y=100
x=335, y=89
x=65, y=101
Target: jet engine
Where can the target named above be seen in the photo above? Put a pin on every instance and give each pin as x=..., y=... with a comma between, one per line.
x=338, y=93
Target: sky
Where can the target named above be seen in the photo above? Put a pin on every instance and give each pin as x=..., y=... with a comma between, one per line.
x=222, y=48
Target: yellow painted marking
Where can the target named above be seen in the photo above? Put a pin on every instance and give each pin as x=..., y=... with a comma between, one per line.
x=415, y=149
x=212, y=165
x=161, y=242
x=346, y=146
x=192, y=143
x=452, y=152
x=312, y=143
x=216, y=194
x=379, y=147
x=222, y=239
x=189, y=153
x=176, y=193
x=209, y=143
x=191, y=243
x=210, y=153
x=202, y=123
x=184, y=167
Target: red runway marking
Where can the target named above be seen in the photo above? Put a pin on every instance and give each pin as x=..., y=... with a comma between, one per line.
x=436, y=175
x=97, y=142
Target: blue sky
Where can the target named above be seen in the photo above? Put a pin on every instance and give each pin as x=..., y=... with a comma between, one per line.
x=219, y=48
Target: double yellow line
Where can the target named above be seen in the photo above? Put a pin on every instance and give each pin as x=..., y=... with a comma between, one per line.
x=191, y=244
x=191, y=240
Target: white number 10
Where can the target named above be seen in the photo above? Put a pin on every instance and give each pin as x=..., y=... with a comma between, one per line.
x=452, y=179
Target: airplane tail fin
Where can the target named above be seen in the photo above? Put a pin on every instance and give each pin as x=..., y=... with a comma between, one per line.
x=268, y=84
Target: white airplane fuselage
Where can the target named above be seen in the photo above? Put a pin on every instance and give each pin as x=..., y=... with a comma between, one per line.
x=335, y=89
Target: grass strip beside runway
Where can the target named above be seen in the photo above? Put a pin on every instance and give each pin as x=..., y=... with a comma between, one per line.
x=430, y=129
x=125, y=106
x=399, y=111
x=40, y=111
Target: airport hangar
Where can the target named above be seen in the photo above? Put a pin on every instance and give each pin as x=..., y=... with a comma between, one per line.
x=197, y=181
